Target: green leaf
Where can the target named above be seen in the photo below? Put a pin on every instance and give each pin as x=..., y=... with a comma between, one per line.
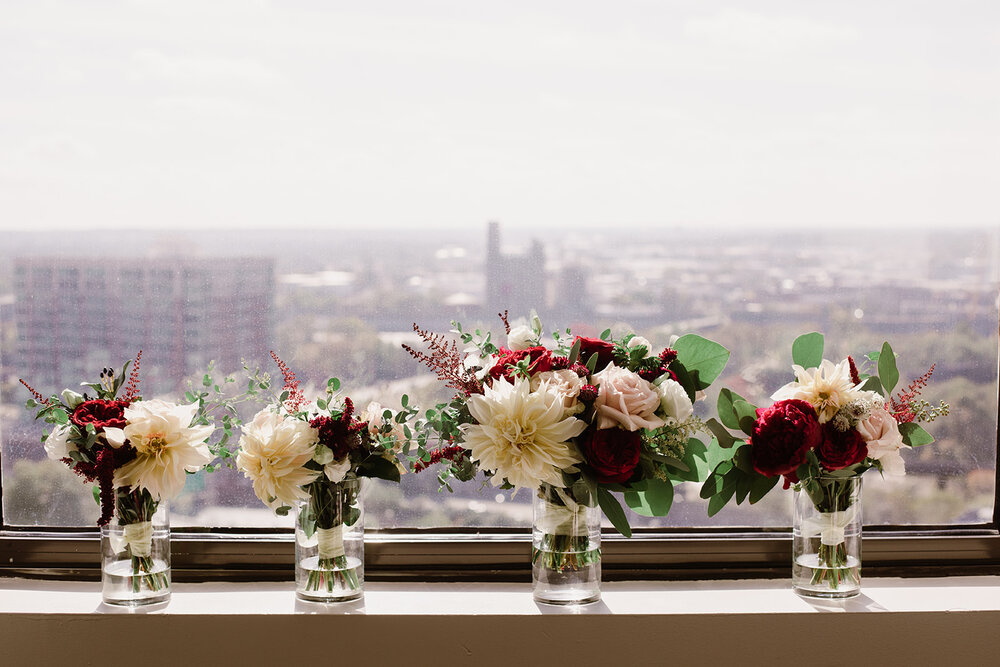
x=727, y=412
x=747, y=414
x=761, y=485
x=613, y=510
x=741, y=459
x=606, y=334
x=592, y=363
x=873, y=384
x=717, y=502
x=376, y=466
x=914, y=435
x=685, y=380
x=887, y=371
x=703, y=359
x=718, y=455
x=654, y=501
x=96, y=490
x=723, y=437
x=807, y=350
x=696, y=460
x=574, y=352
x=743, y=485
x=206, y=381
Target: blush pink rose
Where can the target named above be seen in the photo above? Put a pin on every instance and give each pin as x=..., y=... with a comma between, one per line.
x=625, y=399
x=881, y=432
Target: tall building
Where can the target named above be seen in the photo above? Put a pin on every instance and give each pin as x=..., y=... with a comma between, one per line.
x=514, y=282
x=75, y=316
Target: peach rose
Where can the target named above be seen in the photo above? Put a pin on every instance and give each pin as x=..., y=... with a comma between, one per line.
x=564, y=384
x=624, y=398
x=884, y=440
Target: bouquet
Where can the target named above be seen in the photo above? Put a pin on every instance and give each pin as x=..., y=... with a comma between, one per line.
x=311, y=455
x=136, y=451
x=828, y=426
x=575, y=422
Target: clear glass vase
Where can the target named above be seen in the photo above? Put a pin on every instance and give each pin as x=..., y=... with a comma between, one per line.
x=330, y=542
x=826, y=538
x=135, y=551
x=566, y=549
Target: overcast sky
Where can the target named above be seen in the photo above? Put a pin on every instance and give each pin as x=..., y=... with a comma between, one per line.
x=152, y=113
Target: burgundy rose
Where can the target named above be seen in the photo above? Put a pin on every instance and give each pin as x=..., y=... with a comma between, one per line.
x=604, y=350
x=613, y=453
x=782, y=435
x=540, y=360
x=840, y=449
x=101, y=413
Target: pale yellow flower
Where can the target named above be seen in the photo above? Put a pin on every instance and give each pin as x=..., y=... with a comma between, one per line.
x=166, y=446
x=523, y=436
x=827, y=388
x=273, y=452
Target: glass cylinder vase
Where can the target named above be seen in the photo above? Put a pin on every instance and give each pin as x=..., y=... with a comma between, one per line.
x=566, y=549
x=135, y=551
x=330, y=542
x=826, y=538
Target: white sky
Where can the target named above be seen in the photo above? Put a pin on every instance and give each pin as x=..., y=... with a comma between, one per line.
x=326, y=114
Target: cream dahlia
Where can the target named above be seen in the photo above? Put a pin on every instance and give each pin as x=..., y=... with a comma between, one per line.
x=827, y=388
x=167, y=446
x=273, y=452
x=523, y=436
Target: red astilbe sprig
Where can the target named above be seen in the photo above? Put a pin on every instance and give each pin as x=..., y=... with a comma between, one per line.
x=855, y=376
x=901, y=407
x=506, y=322
x=453, y=453
x=37, y=396
x=447, y=362
x=296, y=397
x=132, y=388
x=102, y=471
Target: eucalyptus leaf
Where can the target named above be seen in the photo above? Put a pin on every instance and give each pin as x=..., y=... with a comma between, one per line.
x=761, y=486
x=914, y=435
x=613, y=510
x=654, y=501
x=807, y=350
x=723, y=437
x=873, y=384
x=726, y=409
x=703, y=359
x=887, y=371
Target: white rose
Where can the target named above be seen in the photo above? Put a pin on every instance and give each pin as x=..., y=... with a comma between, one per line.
x=323, y=455
x=57, y=445
x=639, y=341
x=881, y=432
x=674, y=401
x=624, y=398
x=337, y=470
x=564, y=384
x=521, y=338
x=374, y=414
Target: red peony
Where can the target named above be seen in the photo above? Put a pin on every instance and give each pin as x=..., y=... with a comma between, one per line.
x=840, y=449
x=604, y=350
x=540, y=361
x=613, y=453
x=782, y=435
x=101, y=413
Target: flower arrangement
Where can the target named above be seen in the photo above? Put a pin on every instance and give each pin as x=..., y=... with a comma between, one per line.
x=576, y=422
x=310, y=455
x=137, y=451
x=828, y=426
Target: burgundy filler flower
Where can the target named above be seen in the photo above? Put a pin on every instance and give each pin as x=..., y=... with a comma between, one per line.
x=613, y=453
x=841, y=449
x=782, y=435
x=101, y=413
x=340, y=435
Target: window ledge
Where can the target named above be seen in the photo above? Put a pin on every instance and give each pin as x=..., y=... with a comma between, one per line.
x=904, y=621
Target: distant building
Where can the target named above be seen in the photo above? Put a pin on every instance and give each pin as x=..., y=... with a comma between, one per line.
x=514, y=282
x=75, y=316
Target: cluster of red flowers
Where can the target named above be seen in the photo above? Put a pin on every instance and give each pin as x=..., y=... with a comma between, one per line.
x=342, y=434
x=901, y=407
x=447, y=362
x=453, y=453
x=296, y=397
x=785, y=432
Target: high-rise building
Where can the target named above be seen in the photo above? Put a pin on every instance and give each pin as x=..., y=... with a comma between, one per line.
x=74, y=317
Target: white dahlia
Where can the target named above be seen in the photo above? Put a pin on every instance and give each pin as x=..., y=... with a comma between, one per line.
x=273, y=453
x=523, y=436
x=167, y=446
x=827, y=388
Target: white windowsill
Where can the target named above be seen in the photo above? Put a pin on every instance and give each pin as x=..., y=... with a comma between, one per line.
x=949, y=620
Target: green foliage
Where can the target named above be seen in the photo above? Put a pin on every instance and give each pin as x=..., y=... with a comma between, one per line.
x=703, y=359
x=613, y=510
x=807, y=350
x=887, y=372
x=914, y=435
x=655, y=500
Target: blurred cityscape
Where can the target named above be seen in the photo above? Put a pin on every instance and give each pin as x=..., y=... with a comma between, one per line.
x=339, y=303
